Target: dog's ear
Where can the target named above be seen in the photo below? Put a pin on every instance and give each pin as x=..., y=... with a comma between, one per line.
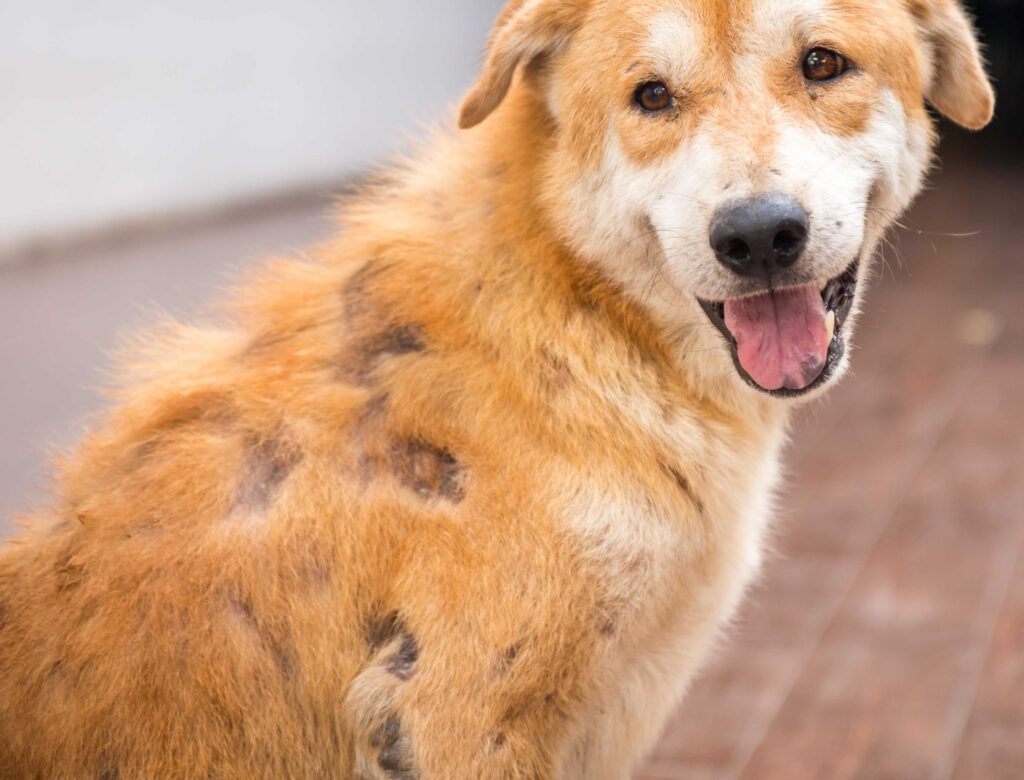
x=524, y=30
x=958, y=86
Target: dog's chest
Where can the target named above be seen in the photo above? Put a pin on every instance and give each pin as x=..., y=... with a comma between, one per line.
x=673, y=571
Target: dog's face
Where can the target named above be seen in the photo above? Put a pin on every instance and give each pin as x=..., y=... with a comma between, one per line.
x=734, y=163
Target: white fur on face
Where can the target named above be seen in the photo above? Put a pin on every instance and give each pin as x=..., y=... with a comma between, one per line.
x=852, y=188
x=648, y=226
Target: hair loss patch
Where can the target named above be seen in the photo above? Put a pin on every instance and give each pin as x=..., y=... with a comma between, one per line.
x=267, y=463
x=388, y=632
x=360, y=358
x=428, y=470
x=395, y=754
x=403, y=663
x=372, y=331
x=383, y=746
x=382, y=628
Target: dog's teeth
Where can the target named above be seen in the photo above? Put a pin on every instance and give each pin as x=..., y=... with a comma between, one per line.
x=830, y=325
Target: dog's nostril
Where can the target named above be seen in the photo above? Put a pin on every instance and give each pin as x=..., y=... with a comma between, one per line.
x=787, y=242
x=759, y=236
x=737, y=250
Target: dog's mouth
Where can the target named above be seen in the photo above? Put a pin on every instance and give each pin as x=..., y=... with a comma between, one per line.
x=787, y=341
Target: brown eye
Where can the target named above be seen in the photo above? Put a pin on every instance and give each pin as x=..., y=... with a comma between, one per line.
x=653, y=96
x=823, y=64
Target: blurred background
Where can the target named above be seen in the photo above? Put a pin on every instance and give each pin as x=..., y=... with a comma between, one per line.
x=149, y=150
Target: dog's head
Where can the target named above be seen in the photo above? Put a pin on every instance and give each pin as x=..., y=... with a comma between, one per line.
x=734, y=163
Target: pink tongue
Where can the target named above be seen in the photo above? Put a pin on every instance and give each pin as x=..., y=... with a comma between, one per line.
x=780, y=336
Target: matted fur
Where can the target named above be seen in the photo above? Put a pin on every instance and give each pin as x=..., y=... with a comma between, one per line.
x=468, y=490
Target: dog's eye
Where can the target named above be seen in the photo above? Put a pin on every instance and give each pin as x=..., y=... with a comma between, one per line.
x=823, y=64
x=653, y=96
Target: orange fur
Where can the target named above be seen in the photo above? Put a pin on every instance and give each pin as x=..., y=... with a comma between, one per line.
x=441, y=498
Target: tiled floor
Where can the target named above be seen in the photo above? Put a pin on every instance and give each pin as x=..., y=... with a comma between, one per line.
x=886, y=639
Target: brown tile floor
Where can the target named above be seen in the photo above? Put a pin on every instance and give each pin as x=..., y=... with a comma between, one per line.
x=886, y=639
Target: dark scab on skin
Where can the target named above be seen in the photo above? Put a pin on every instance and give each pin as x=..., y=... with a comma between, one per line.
x=360, y=359
x=428, y=470
x=268, y=463
x=381, y=629
x=508, y=656
x=403, y=663
x=373, y=333
x=395, y=754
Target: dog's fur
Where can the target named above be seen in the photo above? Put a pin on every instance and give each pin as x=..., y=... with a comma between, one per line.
x=468, y=491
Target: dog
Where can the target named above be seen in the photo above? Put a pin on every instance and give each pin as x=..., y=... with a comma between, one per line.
x=469, y=490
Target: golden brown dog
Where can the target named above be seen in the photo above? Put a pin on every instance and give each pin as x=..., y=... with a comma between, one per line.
x=468, y=491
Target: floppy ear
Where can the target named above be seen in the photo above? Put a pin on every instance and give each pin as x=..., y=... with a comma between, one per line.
x=524, y=29
x=958, y=88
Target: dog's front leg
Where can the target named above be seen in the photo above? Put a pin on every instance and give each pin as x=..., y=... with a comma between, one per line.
x=456, y=708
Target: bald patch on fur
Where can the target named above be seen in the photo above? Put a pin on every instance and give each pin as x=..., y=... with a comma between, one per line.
x=384, y=749
x=395, y=753
x=360, y=359
x=428, y=470
x=267, y=463
x=372, y=332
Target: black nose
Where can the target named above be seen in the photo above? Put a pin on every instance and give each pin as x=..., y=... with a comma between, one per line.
x=759, y=236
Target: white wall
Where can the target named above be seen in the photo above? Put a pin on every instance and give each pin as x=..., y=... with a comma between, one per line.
x=115, y=110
